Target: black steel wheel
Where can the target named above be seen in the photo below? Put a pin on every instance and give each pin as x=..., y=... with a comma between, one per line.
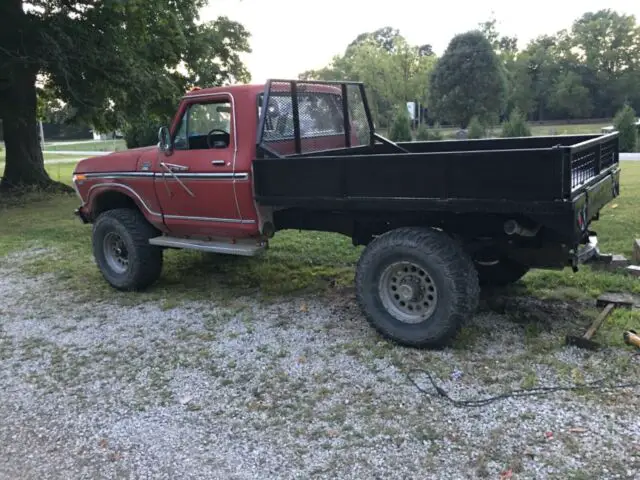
x=122, y=250
x=416, y=286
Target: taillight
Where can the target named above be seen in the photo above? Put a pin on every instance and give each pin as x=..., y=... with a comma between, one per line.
x=582, y=218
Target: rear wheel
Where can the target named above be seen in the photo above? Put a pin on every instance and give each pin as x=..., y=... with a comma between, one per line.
x=122, y=250
x=500, y=272
x=416, y=286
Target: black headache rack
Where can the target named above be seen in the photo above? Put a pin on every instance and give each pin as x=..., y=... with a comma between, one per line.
x=311, y=116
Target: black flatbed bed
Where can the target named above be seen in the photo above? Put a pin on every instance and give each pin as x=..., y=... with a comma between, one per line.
x=532, y=172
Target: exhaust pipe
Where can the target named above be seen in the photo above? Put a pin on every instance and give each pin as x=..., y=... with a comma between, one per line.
x=511, y=227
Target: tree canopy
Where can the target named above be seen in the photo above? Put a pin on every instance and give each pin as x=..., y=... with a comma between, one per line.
x=468, y=81
x=588, y=70
x=106, y=62
x=393, y=70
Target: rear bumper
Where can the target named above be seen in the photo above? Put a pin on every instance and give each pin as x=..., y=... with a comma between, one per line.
x=587, y=253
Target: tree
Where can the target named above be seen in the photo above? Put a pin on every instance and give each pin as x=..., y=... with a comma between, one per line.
x=625, y=124
x=393, y=71
x=516, y=126
x=543, y=71
x=401, y=126
x=608, y=46
x=506, y=47
x=383, y=38
x=570, y=98
x=521, y=94
x=468, y=80
x=109, y=61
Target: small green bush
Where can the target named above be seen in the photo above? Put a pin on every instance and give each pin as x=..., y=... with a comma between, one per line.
x=476, y=129
x=516, y=126
x=425, y=133
x=625, y=123
x=401, y=126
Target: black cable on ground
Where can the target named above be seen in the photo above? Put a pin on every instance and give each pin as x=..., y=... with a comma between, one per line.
x=597, y=385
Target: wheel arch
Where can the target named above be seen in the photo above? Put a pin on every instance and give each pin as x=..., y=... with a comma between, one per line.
x=111, y=197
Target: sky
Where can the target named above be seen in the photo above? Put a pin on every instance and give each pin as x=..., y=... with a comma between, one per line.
x=289, y=37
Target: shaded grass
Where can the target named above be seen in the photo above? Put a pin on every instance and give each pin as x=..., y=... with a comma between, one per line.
x=296, y=262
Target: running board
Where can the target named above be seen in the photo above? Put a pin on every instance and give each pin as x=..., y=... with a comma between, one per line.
x=240, y=247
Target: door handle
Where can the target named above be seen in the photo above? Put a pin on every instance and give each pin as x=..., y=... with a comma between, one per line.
x=218, y=163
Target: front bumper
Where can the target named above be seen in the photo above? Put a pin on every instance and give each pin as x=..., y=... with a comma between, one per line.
x=80, y=214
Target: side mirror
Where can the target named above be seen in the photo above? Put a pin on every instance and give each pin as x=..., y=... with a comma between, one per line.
x=164, y=140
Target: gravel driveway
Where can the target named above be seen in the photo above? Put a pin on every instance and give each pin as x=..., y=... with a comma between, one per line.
x=300, y=388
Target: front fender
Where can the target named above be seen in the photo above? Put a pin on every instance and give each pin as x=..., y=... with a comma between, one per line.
x=106, y=195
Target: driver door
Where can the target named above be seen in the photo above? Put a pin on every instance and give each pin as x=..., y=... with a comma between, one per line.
x=194, y=182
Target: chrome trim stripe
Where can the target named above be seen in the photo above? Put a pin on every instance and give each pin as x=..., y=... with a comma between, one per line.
x=209, y=219
x=115, y=175
x=118, y=174
x=212, y=175
x=129, y=189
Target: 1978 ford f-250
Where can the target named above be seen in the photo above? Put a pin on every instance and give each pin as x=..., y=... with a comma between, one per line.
x=438, y=219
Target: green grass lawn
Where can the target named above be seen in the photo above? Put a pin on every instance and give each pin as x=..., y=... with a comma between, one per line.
x=60, y=172
x=295, y=262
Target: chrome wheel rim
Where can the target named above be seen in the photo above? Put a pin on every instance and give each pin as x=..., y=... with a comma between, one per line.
x=115, y=252
x=408, y=292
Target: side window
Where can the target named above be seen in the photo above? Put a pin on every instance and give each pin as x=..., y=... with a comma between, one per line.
x=205, y=125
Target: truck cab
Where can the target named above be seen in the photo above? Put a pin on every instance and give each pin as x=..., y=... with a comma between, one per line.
x=438, y=219
x=196, y=183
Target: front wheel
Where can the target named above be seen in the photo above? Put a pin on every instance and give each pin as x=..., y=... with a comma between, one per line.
x=416, y=286
x=122, y=250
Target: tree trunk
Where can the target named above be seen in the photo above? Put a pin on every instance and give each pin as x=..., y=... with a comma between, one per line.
x=25, y=164
x=24, y=161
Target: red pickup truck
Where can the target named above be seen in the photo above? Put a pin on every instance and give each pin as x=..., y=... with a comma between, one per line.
x=438, y=219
